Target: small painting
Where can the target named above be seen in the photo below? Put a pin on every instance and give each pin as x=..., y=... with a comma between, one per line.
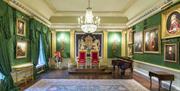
x=171, y=22
x=152, y=40
x=130, y=36
x=21, y=49
x=21, y=27
x=138, y=42
x=130, y=50
x=170, y=52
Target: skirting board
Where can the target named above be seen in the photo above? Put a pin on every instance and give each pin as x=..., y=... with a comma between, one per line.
x=143, y=68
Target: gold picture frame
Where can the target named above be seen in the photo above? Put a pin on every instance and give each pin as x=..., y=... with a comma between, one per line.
x=138, y=42
x=171, y=22
x=171, y=52
x=152, y=40
x=20, y=27
x=21, y=49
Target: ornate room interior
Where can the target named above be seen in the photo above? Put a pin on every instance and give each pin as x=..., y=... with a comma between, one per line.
x=89, y=45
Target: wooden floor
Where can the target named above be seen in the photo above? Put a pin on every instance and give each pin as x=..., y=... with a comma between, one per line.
x=63, y=74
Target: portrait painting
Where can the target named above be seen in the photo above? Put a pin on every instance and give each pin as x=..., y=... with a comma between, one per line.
x=130, y=50
x=89, y=42
x=21, y=49
x=138, y=42
x=170, y=52
x=171, y=22
x=152, y=40
x=21, y=27
x=130, y=36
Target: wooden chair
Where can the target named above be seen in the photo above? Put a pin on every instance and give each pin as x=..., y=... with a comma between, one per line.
x=95, y=58
x=82, y=58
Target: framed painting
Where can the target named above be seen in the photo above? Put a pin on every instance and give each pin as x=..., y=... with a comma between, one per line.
x=171, y=22
x=138, y=42
x=171, y=52
x=130, y=50
x=20, y=27
x=21, y=49
x=152, y=40
x=130, y=36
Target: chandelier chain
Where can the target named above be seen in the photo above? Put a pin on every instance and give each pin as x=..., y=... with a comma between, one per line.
x=88, y=3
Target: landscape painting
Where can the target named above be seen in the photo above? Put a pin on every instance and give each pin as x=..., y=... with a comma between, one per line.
x=21, y=49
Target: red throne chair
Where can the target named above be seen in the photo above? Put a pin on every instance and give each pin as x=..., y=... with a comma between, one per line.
x=95, y=58
x=82, y=58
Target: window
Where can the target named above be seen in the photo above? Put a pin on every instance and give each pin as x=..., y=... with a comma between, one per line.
x=1, y=76
x=41, y=59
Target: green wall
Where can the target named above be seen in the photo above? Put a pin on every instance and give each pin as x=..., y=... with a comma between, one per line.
x=13, y=15
x=63, y=43
x=157, y=59
x=19, y=15
x=114, y=44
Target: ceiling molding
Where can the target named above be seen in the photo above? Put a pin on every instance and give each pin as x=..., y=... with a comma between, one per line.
x=96, y=13
x=154, y=10
x=79, y=13
x=50, y=6
x=150, y=12
x=28, y=11
x=128, y=6
x=76, y=26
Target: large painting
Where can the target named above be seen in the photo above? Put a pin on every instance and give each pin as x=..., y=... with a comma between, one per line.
x=152, y=40
x=171, y=52
x=21, y=49
x=20, y=27
x=138, y=42
x=171, y=22
x=63, y=43
x=89, y=42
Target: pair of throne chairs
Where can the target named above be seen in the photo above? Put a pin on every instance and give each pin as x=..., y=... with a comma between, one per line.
x=94, y=58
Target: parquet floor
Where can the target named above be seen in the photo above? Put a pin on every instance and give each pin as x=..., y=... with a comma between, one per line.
x=63, y=74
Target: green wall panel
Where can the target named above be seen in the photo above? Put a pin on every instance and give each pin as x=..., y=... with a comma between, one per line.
x=157, y=59
x=114, y=44
x=16, y=15
x=63, y=43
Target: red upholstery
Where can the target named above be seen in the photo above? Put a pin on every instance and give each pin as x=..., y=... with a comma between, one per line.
x=94, y=58
x=82, y=57
x=57, y=54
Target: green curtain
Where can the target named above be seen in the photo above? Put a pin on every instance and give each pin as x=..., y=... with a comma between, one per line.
x=38, y=29
x=35, y=38
x=45, y=44
x=6, y=16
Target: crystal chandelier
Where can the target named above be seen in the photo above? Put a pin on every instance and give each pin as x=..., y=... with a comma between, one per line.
x=88, y=23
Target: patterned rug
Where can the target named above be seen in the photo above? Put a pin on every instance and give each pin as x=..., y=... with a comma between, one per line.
x=86, y=85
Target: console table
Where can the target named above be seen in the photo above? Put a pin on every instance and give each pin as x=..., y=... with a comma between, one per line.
x=162, y=76
x=22, y=73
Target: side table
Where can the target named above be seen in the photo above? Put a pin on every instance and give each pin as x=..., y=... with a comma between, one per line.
x=162, y=76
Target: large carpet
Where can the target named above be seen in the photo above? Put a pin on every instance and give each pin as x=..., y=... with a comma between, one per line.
x=86, y=85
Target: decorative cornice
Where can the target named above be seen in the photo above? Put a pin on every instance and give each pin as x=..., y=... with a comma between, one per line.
x=150, y=12
x=25, y=9
x=97, y=13
x=76, y=26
